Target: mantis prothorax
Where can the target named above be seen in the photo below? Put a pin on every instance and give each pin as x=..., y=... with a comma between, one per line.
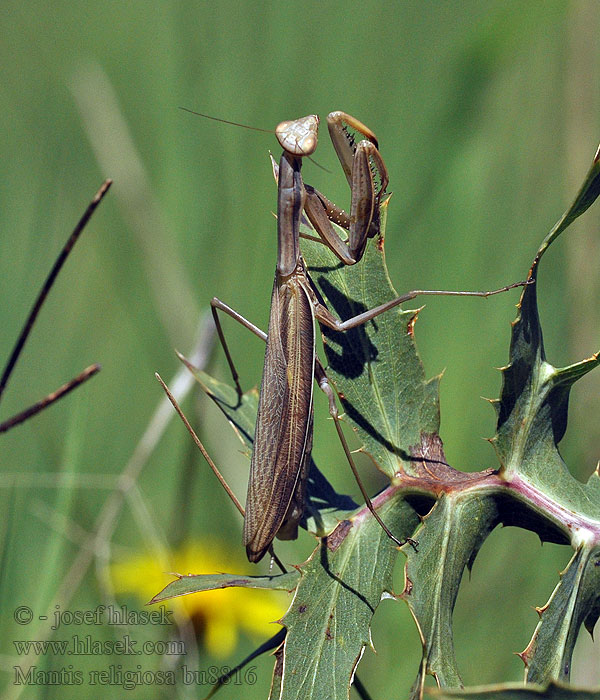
x=284, y=424
x=26, y=330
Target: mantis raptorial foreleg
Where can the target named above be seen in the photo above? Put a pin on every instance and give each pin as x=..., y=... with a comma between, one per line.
x=361, y=163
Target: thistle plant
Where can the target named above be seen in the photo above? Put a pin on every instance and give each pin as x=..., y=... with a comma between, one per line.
x=394, y=411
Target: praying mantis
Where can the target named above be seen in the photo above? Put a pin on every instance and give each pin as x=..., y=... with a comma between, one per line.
x=284, y=424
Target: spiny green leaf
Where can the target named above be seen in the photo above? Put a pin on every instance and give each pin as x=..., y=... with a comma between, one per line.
x=532, y=419
x=449, y=539
x=193, y=583
x=587, y=195
x=329, y=620
x=532, y=411
x=573, y=602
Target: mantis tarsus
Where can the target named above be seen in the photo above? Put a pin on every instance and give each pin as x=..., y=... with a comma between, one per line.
x=26, y=330
x=283, y=436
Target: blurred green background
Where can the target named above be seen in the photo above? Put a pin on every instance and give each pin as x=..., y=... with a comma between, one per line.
x=487, y=114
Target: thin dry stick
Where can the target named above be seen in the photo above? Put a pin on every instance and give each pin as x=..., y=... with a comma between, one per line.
x=56, y=268
x=50, y=399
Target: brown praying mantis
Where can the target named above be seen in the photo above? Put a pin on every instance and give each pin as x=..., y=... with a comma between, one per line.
x=33, y=314
x=283, y=436
x=284, y=423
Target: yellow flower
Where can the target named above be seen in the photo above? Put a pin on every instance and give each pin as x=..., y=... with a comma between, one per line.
x=218, y=616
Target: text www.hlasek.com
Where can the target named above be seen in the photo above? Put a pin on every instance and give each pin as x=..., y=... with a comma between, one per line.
x=86, y=645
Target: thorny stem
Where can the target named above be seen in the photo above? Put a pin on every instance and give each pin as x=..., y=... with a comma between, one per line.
x=574, y=527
